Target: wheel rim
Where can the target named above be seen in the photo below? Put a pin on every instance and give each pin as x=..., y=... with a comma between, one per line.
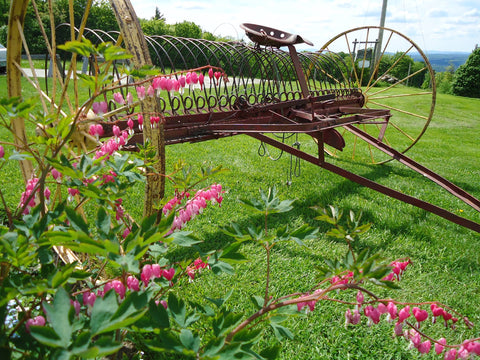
x=373, y=66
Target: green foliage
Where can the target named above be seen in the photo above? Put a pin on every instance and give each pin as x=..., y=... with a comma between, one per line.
x=193, y=324
x=155, y=27
x=188, y=29
x=466, y=81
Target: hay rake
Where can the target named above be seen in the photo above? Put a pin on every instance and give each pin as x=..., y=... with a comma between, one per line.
x=333, y=97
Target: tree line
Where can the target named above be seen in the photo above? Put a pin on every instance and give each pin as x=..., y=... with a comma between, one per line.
x=101, y=17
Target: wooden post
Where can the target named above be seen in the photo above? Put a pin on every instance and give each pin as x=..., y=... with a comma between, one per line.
x=136, y=44
x=18, y=9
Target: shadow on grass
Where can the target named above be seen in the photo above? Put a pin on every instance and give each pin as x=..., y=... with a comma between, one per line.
x=410, y=220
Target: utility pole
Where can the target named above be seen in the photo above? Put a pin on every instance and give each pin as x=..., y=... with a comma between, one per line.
x=380, y=32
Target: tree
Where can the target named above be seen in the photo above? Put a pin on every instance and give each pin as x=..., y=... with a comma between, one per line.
x=466, y=81
x=188, y=29
x=158, y=14
x=155, y=27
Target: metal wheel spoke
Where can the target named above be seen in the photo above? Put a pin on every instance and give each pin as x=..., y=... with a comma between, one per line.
x=400, y=95
x=391, y=67
x=411, y=138
x=400, y=110
x=399, y=82
x=371, y=79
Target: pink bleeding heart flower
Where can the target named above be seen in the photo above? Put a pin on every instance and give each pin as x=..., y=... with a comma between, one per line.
x=151, y=91
x=2, y=152
x=217, y=74
x=392, y=310
x=140, y=122
x=36, y=321
x=169, y=85
x=352, y=318
x=156, y=83
x=116, y=131
x=161, y=302
x=141, y=92
x=156, y=270
x=55, y=174
x=76, y=306
x=133, y=283
x=424, y=347
x=47, y=193
x=201, y=80
x=451, y=354
x=118, y=97
x=130, y=123
x=419, y=314
x=372, y=313
x=168, y=274
x=415, y=338
x=72, y=192
x=119, y=288
x=99, y=129
x=182, y=81
x=89, y=298
x=440, y=346
x=194, y=78
x=100, y=108
x=210, y=73
x=382, y=308
x=360, y=298
x=146, y=274
x=129, y=99
x=175, y=85
x=404, y=314
x=398, y=330
x=163, y=83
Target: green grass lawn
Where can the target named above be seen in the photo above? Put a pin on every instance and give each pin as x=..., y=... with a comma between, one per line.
x=446, y=257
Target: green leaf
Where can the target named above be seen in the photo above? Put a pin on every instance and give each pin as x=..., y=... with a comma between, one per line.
x=219, y=302
x=225, y=322
x=103, y=220
x=183, y=238
x=127, y=262
x=113, y=52
x=84, y=47
x=102, y=311
x=269, y=203
x=281, y=332
x=47, y=336
x=258, y=301
x=231, y=255
x=272, y=352
x=89, y=80
x=177, y=309
x=60, y=314
x=222, y=267
x=213, y=347
x=76, y=220
x=159, y=315
x=235, y=231
x=108, y=316
x=106, y=345
x=61, y=275
x=188, y=340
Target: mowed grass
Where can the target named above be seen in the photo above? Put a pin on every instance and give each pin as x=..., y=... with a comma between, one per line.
x=446, y=257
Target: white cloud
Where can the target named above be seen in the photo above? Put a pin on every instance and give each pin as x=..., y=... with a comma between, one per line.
x=320, y=20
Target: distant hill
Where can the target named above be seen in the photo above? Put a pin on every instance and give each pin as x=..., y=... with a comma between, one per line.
x=440, y=60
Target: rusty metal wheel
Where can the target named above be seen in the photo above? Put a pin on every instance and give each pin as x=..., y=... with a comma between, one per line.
x=379, y=61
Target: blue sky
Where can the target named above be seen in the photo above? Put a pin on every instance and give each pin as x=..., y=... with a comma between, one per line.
x=443, y=25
